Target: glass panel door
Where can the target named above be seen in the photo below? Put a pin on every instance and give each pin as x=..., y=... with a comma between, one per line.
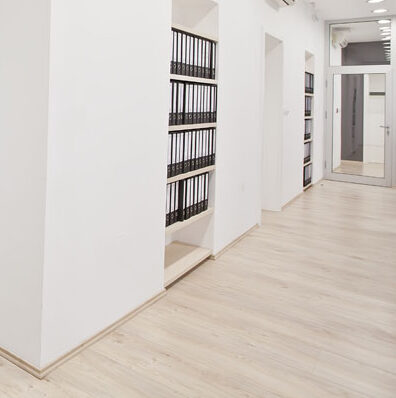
x=360, y=121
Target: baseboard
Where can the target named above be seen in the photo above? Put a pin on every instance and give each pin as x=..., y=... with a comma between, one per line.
x=292, y=200
x=14, y=359
x=300, y=194
x=233, y=243
x=41, y=373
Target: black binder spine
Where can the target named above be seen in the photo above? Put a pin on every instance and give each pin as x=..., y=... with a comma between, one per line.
x=206, y=191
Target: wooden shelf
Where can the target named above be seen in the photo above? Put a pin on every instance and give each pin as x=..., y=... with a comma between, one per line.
x=307, y=164
x=200, y=126
x=309, y=95
x=308, y=117
x=191, y=174
x=195, y=32
x=181, y=258
x=183, y=224
x=191, y=79
x=308, y=141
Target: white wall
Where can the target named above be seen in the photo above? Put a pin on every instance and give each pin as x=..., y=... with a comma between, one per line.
x=24, y=40
x=107, y=149
x=240, y=122
x=392, y=118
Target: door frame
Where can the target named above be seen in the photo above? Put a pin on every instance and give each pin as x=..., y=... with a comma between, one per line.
x=347, y=70
x=390, y=143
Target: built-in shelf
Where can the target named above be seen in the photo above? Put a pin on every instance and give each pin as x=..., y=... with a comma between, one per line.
x=181, y=258
x=309, y=101
x=191, y=79
x=191, y=174
x=183, y=224
x=197, y=126
x=195, y=32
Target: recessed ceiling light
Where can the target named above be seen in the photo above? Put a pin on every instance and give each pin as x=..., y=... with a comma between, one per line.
x=380, y=11
x=384, y=21
x=374, y=1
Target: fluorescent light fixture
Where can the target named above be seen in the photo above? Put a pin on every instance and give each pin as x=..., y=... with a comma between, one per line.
x=374, y=1
x=386, y=38
x=385, y=28
x=379, y=11
x=384, y=21
x=385, y=34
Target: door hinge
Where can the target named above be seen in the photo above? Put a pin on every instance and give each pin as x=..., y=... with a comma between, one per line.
x=325, y=165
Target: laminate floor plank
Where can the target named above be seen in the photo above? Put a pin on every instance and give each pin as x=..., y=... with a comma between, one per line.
x=303, y=307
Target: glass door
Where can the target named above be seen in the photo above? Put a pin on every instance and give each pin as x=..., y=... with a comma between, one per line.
x=359, y=118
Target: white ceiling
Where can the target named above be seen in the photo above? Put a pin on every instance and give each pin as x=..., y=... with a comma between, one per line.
x=345, y=9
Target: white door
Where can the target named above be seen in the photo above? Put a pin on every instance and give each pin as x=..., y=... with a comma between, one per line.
x=359, y=118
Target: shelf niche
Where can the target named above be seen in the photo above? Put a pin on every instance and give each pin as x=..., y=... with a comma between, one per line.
x=189, y=243
x=309, y=121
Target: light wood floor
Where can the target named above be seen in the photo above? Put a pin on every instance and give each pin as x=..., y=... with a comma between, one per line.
x=361, y=169
x=304, y=307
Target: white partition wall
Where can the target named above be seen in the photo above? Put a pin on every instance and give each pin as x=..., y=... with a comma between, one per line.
x=85, y=165
x=24, y=40
x=106, y=155
x=83, y=152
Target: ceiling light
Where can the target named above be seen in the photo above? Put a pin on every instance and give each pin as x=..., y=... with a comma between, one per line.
x=385, y=28
x=379, y=11
x=386, y=38
x=374, y=1
x=384, y=21
x=385, y=34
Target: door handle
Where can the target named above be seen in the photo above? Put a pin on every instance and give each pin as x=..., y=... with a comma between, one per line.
x=387, y=128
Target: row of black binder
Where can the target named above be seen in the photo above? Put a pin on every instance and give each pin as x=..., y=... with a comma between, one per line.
x=307, y=152
x=192, y=103
x=308, y=106
x=308, y=129
x=309, y=83
x=307, y=175
x=187, y=198
x=191, y=150
x=192, y=55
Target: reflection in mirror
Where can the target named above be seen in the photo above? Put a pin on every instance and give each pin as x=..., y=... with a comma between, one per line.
x=358, y=119
x=360, y=43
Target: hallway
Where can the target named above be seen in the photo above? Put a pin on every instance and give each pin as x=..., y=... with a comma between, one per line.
x=304, y=307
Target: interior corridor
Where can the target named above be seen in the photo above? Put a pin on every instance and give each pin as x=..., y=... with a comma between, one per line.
x=304, y=307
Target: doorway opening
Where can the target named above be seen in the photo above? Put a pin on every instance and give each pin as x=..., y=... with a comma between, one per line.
x=360, y=102
x=273, y=125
